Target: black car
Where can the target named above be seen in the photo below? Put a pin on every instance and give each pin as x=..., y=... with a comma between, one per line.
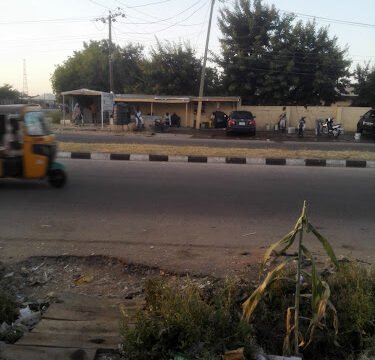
x=366, y=123
x=241, y=122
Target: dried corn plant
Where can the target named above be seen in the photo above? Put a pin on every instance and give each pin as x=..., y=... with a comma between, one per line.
x=320, y=292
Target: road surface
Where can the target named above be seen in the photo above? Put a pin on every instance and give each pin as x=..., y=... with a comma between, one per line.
x=207, y=218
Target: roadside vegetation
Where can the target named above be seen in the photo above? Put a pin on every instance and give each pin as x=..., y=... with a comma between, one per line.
x=8, y=307
x=184, y=322
x=296, y=309
x=352, y=293
x=318, y=296
x=238, y=319
x=54, y=116
x=9, y=312
x=191, y=323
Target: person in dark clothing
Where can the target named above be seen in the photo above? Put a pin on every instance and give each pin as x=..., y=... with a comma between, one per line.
x=175, y=120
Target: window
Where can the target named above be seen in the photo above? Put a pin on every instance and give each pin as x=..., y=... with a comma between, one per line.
x=36, y=124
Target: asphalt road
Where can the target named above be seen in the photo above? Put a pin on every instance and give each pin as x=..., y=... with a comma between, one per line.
x=206, y=218
x=217, y=138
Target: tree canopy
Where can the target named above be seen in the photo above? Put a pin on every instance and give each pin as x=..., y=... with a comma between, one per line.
x=364, y=86
x=8, y=94
x=265, y=57
x=270, y=59
x=172, y=69
x=87, y=68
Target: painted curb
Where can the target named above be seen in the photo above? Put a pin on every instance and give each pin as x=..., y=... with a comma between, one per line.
x=216, y=159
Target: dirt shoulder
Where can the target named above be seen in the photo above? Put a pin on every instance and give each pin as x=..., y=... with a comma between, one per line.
x=40, y=279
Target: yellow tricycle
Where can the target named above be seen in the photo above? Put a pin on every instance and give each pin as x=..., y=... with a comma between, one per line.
x=27, y=145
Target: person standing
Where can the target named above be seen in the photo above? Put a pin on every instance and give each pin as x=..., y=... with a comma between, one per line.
x=282, y=120
x=168, y=119
x=93, y=110
x=77, y=114
x=138, y=119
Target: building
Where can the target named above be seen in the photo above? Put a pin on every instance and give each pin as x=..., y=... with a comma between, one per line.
x=185, y=107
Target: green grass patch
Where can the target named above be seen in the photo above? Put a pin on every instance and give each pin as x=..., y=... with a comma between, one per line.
x=182, y=321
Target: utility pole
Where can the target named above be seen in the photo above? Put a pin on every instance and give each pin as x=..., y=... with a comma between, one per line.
x=110, y=52
x=111, y=18
x=201, y=86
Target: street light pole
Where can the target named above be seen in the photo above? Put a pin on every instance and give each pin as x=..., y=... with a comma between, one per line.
x=201, y=86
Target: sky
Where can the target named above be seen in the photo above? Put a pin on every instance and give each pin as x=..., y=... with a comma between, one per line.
x=36, y=36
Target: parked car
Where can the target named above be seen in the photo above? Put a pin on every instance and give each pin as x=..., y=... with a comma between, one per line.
x=366, y=123
x=241, y=122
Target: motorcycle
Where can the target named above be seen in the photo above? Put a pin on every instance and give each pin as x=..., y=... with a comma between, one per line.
x=160, y=125
x=301, y=126
x=331, y=129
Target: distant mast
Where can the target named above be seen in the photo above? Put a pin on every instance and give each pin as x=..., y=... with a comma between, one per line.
x=25, y=90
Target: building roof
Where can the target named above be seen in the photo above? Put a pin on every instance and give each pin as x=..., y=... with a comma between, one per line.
x=83, y=92
x=153, y=98
x=171, y=98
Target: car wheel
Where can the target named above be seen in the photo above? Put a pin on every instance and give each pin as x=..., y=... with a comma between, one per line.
x=253, y=133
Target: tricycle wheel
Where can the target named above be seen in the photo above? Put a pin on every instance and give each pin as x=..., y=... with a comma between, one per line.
x=57, y=178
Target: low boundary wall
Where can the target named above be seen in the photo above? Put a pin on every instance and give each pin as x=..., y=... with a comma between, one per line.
x=268, y=116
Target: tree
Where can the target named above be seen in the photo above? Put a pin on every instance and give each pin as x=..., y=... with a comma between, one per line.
x=245, y=45
x=364, y=86
x=174, y=69
x=321, y=71
x=8, y=94
x=129, y=69
x=267, y=59
x=89, y=68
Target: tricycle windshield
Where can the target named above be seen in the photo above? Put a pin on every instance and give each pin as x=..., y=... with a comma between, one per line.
x=36, y=124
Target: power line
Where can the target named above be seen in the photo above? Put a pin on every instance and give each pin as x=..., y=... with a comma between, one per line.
x=201, y=29
x=157, y=22
x=57, y=20
x=97, y=3
x=168, y=27
x=169, y=18
x=337, y=21
x=149, y=4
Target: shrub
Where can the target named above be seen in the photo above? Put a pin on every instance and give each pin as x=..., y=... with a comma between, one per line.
x=180, y=321
x=8, y=307
x=318, y=296
x=353, y=293
x=54, y=116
